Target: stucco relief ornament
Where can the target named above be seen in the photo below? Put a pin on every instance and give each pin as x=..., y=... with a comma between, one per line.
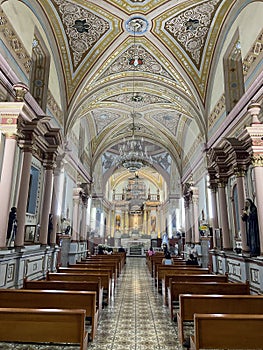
x=83, y=28
x=137, y=25
x=257, y=160
x=254, y=110
x=191, y=28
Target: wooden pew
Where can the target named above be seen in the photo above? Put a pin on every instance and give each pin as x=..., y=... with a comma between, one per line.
x=189, y=278
x=157, y=261
x=110, y=261
x=177, y=288
x=91, y=268
x=163, y=270
x=43, y=325
x=68, y=285
x=190, y=304
x=227, y=331
x=52, y=299
x=84, y=276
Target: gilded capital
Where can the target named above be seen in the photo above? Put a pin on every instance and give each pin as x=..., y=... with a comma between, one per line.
x=239, y=172
x=20, y=91
x=257, y=160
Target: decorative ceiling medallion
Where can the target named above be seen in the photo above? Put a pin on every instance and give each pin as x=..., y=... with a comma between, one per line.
x=137, y=25
x=144, y=100
x=191, y=27
x=150, y=64
x=82, y=27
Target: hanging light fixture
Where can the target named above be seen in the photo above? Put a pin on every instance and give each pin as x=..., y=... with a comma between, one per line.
x=133, y=153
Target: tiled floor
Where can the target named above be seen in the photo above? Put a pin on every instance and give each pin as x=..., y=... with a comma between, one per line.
x=134, y=320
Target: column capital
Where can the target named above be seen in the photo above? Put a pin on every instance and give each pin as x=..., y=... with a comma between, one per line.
x=257, y=160
x=239, y=171
x=222, y=183
x=20, y=91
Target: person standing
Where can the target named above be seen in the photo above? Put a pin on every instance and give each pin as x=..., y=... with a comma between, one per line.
x=12, y=226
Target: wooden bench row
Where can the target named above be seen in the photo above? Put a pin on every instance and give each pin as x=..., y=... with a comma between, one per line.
x=57, y=309
x=191, y=304
x=212, y=303
x=31, y=302
x=227, y=331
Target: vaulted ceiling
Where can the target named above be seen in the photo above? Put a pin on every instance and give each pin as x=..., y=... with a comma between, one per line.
x=175, y=41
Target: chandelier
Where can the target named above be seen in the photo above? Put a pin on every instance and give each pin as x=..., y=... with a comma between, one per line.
x=133, y=153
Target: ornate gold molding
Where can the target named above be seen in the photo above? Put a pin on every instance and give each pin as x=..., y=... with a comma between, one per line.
x=257, y=160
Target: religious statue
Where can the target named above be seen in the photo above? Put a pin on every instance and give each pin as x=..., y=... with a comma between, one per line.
x=250, y=216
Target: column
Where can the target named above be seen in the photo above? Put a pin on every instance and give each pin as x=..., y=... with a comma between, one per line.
x=46, y=203
x=215, y=224
x=187, y=221
x=6, y=184
x=149, y=222
x=195, y=200
x=169, y=224
x=83, y=229
x=240, y=176
x=144, y=220
x=127, y=221
x=23, y=193
x=93, y=219
x=10, y=112
x=214, y=207
x=158, y=223
x=56, y=205
x=101, y=227
x=252, y=136
x=112, y=223
x=258, y=172
x=75, y=219
x=223, y=215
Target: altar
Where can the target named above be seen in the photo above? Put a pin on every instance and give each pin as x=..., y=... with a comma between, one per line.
x=136, y=247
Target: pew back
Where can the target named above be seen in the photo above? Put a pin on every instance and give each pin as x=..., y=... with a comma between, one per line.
x=52, y=299
x=227, y=331
x=177, y=288
x=189, y=278
x=68, y=285
x=190, y=304
x=84, y=276
x=43, y=325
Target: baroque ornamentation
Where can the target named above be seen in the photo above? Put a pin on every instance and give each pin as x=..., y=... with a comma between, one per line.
x=190, y=28
x=217, y=111
x=254, y=55
x=103, y=119
x=10, y=38
x=170, y=121
x=144, y=100
x=150, y=64
x=83, y=28
x=137, y=25
x=257, y=160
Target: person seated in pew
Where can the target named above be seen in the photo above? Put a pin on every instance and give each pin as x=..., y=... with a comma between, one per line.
x=167, y=260
x=151, y=251
x=192, y=260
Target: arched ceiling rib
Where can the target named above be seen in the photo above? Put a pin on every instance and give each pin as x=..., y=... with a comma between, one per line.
x=176, y=42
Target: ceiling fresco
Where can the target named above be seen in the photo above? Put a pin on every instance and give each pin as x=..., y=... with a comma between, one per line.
x=145, y=58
